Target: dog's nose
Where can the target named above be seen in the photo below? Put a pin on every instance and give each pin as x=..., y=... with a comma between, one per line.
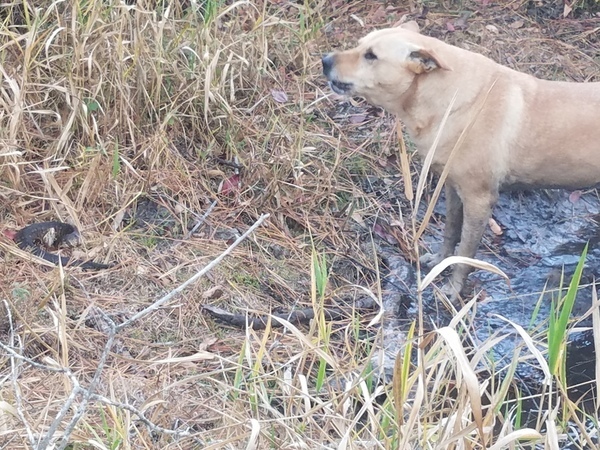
x=327, y=61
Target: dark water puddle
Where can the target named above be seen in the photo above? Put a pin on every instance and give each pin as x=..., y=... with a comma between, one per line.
x=544, y=233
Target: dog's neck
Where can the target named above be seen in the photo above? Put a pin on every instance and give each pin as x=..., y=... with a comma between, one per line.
x=423, y=105
x=415, y=108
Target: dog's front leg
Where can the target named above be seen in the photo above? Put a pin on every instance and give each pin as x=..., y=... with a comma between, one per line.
x=452, y=230
x=477, y=209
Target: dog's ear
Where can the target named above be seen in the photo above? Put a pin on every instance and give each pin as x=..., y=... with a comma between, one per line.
x=410, y=25
x=421, y=61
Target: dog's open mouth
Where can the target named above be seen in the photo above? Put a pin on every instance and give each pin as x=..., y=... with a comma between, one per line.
x=340, y=88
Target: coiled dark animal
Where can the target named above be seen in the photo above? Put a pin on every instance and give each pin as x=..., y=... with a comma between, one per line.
x=53, y=234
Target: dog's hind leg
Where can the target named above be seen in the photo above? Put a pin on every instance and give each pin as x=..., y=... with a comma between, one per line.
x=452, y=230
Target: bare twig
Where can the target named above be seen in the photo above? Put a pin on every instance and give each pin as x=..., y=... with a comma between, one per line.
x=140, y=415
x=87, y=394
x=200, y=221
x=157, y=304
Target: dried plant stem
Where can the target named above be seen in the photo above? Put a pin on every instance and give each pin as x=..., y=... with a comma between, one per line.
x=15, y=365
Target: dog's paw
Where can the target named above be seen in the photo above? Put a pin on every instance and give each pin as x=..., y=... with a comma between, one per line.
x=431, y=259
x=452, y=290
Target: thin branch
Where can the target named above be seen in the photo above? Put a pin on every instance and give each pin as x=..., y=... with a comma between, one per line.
x=157, y=304
x=200, y=221
x=30, y=361
x=81, y=409
x=141, y=416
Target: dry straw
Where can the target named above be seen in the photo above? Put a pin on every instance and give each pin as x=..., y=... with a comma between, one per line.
x=138, y=121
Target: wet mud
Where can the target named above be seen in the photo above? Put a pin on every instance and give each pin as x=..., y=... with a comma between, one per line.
x=543, y=235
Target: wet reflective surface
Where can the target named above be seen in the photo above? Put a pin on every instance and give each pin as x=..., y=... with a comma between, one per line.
x=543, y=235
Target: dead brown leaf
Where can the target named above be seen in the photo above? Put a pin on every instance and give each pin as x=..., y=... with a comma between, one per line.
x=496, y=229
x=517, y=24
x=213, y=293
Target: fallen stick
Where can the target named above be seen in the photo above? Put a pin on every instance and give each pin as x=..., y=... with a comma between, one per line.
x=297, y=316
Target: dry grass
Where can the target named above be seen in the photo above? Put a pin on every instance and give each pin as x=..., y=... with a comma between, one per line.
x=129, y=119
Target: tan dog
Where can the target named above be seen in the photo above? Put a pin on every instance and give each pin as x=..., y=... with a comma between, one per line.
x=525, y=132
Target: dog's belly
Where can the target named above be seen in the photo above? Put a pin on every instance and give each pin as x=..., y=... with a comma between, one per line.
x=567, y=180
x=517, y=187
x=564, y=170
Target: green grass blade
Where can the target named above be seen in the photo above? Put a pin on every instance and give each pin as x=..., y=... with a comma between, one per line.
x=559, y=319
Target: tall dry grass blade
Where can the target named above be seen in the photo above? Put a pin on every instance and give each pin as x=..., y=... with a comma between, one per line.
x=429, y=159
x=531, y=345
x=61, y=192
x=463, y=313
x=398, y=388
x=254, y=434
x=208, y=77
x=407, y=436
x=235, y=5
x=9, y=152
x=486, y=346
x=200, y=355
x=447, y=262
x=518, y=435
x=61, y=314
x=596, y=334
x=16, y=106
x=465, y=370
x=305, y=394
x=551, y=431
x=404, y=163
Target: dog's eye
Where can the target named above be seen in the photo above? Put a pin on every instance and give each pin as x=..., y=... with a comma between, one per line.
x=370, y=56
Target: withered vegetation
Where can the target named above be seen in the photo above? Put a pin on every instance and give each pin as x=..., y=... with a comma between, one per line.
x=135, y=121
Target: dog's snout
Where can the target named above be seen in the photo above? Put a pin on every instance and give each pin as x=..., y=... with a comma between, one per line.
x=327, y=61
x=338, y=86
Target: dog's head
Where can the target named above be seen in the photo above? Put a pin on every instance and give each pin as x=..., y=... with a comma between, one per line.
x=383, y=65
